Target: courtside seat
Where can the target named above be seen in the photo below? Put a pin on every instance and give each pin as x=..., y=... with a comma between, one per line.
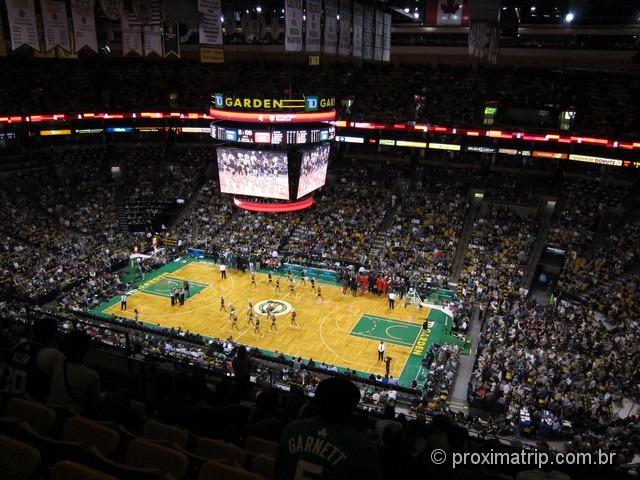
x=217, y=449
x=80, y=429
x=166, y=433
x=40, y=417
x=219, y=471
x=66, y=470
x=257, y=445
x=146, y=454
x=18, y=460
x=264, y=465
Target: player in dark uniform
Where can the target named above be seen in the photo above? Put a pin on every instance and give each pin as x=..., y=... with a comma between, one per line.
x=253, y=279
x=270, y=278
x=273, y=322
x=319, y=294
x=278, y=286
x=257, y=326
x=222, y=307
x=293, y=318
x=313, y=284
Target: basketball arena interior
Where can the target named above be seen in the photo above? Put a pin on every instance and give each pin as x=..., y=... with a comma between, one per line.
x=319, y=239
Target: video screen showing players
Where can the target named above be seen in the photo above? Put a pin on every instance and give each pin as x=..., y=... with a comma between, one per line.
x=313, y=171
x=255, y=173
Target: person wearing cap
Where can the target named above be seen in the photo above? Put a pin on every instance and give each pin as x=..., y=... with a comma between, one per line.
x=328, y=446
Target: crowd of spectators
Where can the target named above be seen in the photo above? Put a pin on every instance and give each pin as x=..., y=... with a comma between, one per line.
x=500, y=243
x=451, y=94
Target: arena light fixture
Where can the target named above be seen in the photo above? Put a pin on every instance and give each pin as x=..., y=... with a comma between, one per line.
x=568, y=18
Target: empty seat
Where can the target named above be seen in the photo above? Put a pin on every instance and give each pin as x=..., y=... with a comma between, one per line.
x=258, y=445
x=121, y=471
x=80, y=429
x=166, y=433
x=66, y=470
x=40, y=417
x=17, y=459
x=264, y=465
x=145, y=454
x=217, y=449
x=219, y=471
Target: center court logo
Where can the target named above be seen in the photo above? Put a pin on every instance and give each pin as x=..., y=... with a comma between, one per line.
x=277, y=307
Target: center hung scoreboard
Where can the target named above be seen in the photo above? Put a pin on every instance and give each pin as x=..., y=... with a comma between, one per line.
x=272, y=148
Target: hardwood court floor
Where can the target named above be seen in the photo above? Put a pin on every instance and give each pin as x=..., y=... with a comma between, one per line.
x=324, y=327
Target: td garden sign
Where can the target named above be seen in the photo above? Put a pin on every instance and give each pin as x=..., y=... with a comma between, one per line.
x=309, y=103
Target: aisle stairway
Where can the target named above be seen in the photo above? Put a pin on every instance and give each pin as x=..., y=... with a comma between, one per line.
x=546, y=215
x=465, y=237
x=458, y=395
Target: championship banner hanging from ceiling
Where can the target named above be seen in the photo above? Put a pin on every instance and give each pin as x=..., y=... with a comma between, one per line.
x=313, y=26
x=131, y=34
x=293, y=25
x=56, y=26
x=22, y=24
x=84, y=24
x=210, y=28
x=147, y=16
x=358, y=20
x=330, y=26
x=344, y=39
x=171, y=40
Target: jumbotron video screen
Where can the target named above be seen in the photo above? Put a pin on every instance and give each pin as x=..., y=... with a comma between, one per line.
x=313, y=171
x=257, y=173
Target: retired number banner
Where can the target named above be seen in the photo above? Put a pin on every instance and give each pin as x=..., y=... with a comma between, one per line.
x=293, y=25
x=84, y=24
x=330, y=26
x=211, y=23
x=358, y=14
x=368, y=33
x=314, y=17
x=344, y=40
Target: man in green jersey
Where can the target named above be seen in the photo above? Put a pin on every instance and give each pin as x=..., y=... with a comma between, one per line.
x=328, y=446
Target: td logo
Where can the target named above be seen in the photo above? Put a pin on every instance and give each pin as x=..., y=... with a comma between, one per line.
x=218, y=100
x=311, y=104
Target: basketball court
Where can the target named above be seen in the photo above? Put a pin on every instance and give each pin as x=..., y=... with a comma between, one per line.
x=340, y=330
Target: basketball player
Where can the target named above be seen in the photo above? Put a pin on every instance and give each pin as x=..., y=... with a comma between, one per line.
x=273, y=322
x=251, y=318
x=293, y=318
x=278, y=286
x=319, y=295
x=292, y=288
x=304, y=278
x=270, y=278
x=222, y=307
x=289, y=275
x=232, y=310
x=234, y=320
x=253, y=280
x=313, y=284
x=249, y=309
